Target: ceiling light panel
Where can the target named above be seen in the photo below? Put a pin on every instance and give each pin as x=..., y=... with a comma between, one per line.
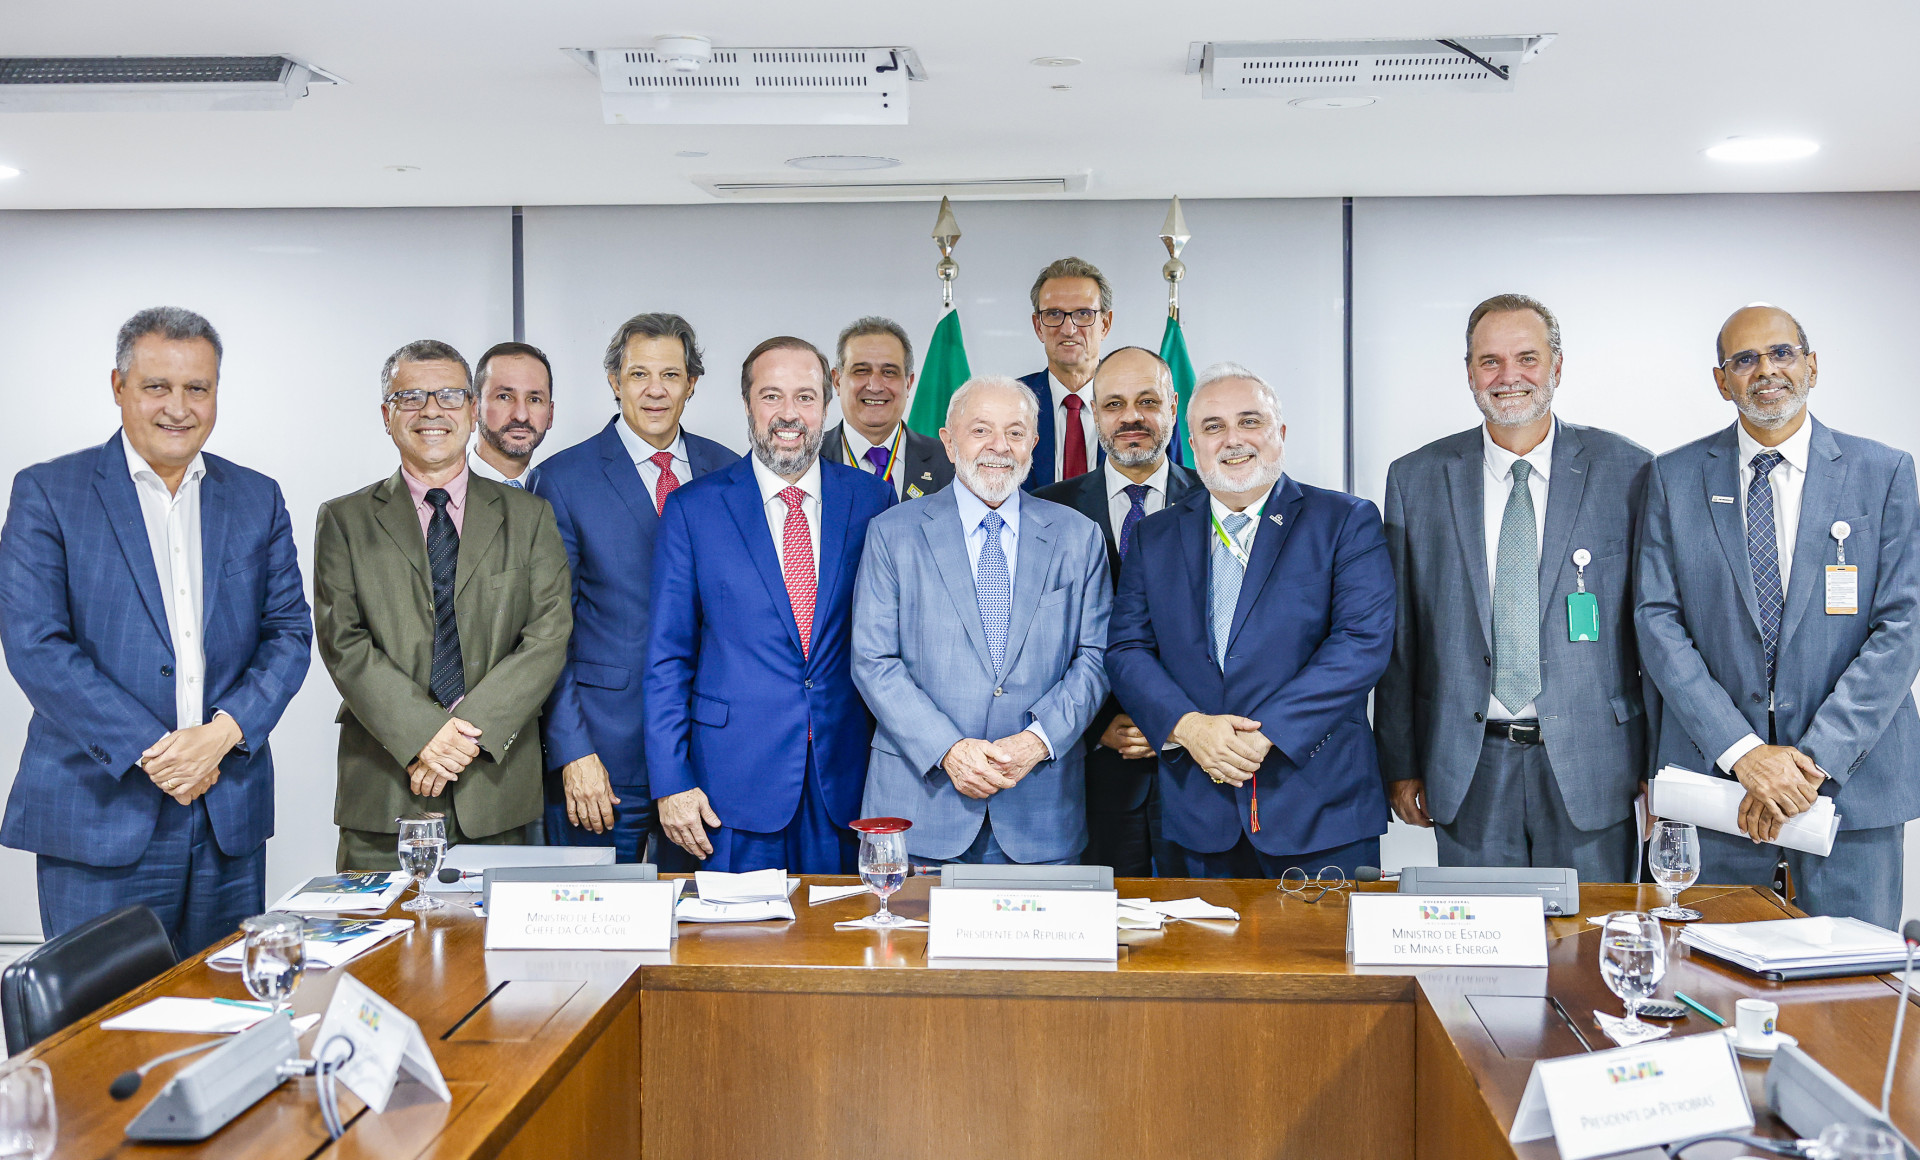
x=1295, y=69
x=756, y=86
x=155, y=84
x=1761, y=149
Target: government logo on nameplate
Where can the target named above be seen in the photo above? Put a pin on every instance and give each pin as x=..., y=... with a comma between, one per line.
x=607, y=916
x=1023, y=924
x=380, y=1043
x=1634, y=1097
x=1493, y=930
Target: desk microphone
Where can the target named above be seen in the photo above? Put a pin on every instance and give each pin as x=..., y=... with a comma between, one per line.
x=449, y=874
x=1911, y=937
x=1373, y=874
x=128, y=1082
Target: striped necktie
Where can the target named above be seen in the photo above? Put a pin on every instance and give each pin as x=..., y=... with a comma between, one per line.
x=1763, y=554
x=1223, y=585
x=448, y=679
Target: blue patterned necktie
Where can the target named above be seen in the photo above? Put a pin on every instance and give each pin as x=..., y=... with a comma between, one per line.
x=448, y=680
x=1516, y=597
x=1223, y=586
x=993, y=588
x=1763, y=554
x=1136, y=492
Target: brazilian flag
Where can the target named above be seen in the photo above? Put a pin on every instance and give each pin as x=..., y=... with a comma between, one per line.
x=1173, y=351
x=942, y=371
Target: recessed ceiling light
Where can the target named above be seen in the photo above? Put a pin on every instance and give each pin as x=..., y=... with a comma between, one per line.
x=1763, y=149
x=691, y=153
x=1061, y=88
x=1055, y=61
x=401, y=168
x=7, y=171
x=841, y=161
x=1333, y=102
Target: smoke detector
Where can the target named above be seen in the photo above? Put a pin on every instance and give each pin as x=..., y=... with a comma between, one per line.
x=1296, y=69
x=682, y=54
x=752, y=86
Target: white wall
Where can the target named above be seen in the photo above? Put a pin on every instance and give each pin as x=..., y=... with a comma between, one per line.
x=1641, y=286
x=308, y=303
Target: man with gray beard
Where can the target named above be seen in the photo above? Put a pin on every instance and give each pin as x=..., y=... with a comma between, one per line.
x=756, y=739
x=1512, y=718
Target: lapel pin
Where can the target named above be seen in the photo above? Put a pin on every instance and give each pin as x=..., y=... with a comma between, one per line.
x=927, y=475
x=1278, y=519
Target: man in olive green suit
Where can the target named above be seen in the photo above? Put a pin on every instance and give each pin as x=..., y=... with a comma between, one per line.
x=443, y=605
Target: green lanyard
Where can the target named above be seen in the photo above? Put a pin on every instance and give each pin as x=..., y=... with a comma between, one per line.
x=1227, y=541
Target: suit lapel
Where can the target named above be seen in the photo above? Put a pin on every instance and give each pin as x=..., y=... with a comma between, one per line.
x=1819, y=501
x=750, y=516
x=836, y=512
x=1720, y=475
x=1565, y=486
x=213, y=542
x=1181, y=482
x=919, y=466
x=1195, y=533
x=116, y=490
x=1467, y=496
x=1044, y=469
x=393, y=509
x=478, y=528
x=623, y=476
x=704, y=455
x=946, y=540
x=1284, y=501
x=1030, y=575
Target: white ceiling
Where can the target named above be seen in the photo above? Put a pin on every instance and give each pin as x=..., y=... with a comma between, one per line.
x=477, y=94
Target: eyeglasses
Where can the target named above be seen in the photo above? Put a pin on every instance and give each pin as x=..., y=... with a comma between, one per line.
x=1082, y=317
x=449, y=398
x=1782, y=356
x=1330, y=879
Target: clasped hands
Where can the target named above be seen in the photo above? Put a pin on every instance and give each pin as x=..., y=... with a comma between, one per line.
x=186, y=762
x=980, y=769
x=1781, y=782
x=1228, y=748
x=443, y=759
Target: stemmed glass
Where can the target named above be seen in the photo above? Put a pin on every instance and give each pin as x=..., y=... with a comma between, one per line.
x=883, y=861
x=274, y=958
x=1633, y=960
x=1673, y=854
x=28, y=1122
x=1857, y=1142
x=423, y=843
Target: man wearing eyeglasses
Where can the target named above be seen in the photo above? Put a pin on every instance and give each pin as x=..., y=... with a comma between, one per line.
x=1779, y=586
x=1072, y=313
x=442, y=604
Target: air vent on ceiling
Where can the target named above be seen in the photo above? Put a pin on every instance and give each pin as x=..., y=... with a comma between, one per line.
x=159, y=84
x=1295, y=69
x=755, y=86
x=780, y=189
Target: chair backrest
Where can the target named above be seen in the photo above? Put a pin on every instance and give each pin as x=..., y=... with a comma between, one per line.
x=80, y=972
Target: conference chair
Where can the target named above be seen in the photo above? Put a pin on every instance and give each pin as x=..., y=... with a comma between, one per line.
x=79, y=972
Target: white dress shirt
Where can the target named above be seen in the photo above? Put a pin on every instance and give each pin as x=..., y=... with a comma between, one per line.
x=477, y=463
x=643, y=453
x=1497, y=488
x=1060, y=393
x=856, y=448
x=1118, y=505
x=1789, y=479
x=973, y=510
x=771, y=486
x=173, y=534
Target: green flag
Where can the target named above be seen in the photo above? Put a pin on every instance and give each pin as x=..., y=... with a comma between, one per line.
x=1173, y=350
x=942, y=370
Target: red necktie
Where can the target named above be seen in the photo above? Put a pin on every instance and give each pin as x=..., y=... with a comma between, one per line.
x=668, y=481
x=1074, y=461
x=796, y=564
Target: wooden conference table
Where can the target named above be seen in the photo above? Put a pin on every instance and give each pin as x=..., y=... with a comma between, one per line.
x=1253, y=1040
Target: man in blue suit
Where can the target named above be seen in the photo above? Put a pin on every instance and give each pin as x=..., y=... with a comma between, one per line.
x=978, y=627
x=1072, y=316
x=1779, y=585
x=755, y=733
x=1252, y=621
x=151, y=609
x=607, y=495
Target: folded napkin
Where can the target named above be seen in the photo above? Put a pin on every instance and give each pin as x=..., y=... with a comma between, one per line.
x=1190, y=908
x=868, y=923
x=819, y=894
x=1618, y=1030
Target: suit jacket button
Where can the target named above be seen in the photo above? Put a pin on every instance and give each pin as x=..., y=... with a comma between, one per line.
x=166, y=670
x=1757, y=698
x=1486, y=660
x=999, y=692
x=808, y=682
x=1479, y=716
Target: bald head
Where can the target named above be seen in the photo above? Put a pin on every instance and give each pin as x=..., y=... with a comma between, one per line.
x=1744, y=322
x=1133, y=408
x=1765, y=370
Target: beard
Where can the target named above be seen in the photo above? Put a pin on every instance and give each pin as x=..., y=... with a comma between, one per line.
x=1537, y=405
x=784, y=463
x=497, y=439
x=994, y=490
x=1135, y=456
x=1254, y=475
x=1777, y=414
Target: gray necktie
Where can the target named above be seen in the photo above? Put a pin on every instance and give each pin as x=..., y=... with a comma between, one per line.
x=1516, y=598
x=1223, y=586
x=993, y=588
x=447, y=678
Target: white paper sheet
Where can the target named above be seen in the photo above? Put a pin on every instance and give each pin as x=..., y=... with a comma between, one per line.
x=756, y=886
x=819, y=894
x=705, y=910
x=196, y=1017
x=868, y=923
x=1191, y=908
x=1713, y=803
x=331, y=942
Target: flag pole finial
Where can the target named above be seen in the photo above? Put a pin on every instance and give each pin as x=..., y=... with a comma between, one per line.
x=946, y=231
x=1173, y=233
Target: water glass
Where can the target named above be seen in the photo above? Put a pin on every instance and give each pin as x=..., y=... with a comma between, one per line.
x=28, y=1122
x=1858, y=1142
x=1673, y=855
x=883, y=861
x=423, y=843
x=1633, y=960
x=273, y=957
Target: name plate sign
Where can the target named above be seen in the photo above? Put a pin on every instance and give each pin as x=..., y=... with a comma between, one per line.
x=1492, y=930
x=381, y=1042
x=1634, y=1097
x=1023, y=924
x=607, y=916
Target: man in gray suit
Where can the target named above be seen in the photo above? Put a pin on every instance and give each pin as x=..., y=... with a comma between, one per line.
x=1779, y=585
x=979, y=628
x=1511, y=717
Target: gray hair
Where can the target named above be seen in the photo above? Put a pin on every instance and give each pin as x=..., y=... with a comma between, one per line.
x=1233, y=370
x=418, y=351
x=1073, y=268
x=1509, y=303
x=173, y=323
x=957, y=404
x=654, y=326
x=873, y=324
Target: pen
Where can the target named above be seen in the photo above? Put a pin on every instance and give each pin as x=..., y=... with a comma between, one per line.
x=1718, y=1022
x=1571, y=1025
x=238, y=1003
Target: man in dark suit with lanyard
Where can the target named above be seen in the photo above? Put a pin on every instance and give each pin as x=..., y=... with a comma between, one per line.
x=873, y=375
x=1072, y=316
x=1134, y=406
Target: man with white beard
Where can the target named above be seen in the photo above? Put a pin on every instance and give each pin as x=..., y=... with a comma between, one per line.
x=1512, y=718
x=1251, y=622
x=979, y=621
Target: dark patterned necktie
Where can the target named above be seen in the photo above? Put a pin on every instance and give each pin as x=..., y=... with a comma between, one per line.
x=1763, y=554
x=1137, y=494
x=448, y=681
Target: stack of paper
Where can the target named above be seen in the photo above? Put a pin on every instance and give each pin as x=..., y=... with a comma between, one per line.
x=1789, y=944
x=197, y=1016
x=1184, y=908
x=1138, y=914
x=753, y=897
x=1713, y=803
x=330, y=941
x=339, y=893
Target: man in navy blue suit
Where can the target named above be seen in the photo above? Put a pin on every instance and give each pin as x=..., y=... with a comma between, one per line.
x=756, y=737
x=607, y=494
x=1072, y=315
x=151, y=609
x=1252, y=620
